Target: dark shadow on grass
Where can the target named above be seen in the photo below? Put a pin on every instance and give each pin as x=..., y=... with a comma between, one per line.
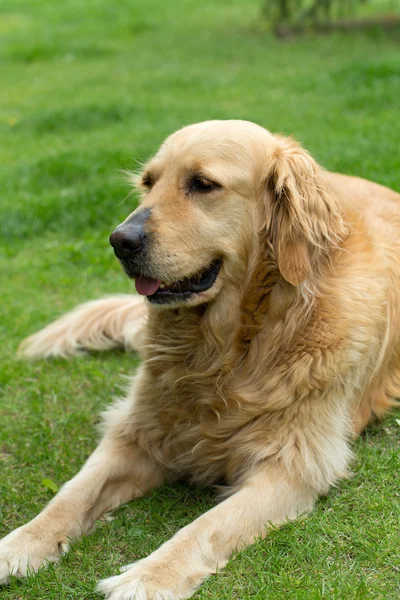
x=33, y=52
x=82, y=118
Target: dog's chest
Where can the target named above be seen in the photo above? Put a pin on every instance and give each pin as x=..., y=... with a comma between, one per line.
x=188, y=424
x=190, y=408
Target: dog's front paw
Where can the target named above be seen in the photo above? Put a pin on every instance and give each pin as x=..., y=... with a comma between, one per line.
x=151, y=580
x=27, y=549
x=116, y=588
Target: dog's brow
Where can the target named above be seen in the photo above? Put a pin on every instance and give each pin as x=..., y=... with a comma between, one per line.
x=205, y=173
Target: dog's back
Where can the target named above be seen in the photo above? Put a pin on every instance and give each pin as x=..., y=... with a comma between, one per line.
x=377, y=211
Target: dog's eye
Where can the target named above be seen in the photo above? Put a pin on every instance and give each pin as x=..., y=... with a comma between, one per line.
x=147, y=181
x=200, y=185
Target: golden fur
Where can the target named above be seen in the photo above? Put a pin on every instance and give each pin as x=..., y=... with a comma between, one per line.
x=262, y=380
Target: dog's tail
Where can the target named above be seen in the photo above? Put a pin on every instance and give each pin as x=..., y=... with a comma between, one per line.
x=117, y=321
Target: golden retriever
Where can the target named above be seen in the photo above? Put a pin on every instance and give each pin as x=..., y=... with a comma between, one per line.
x=270, y=336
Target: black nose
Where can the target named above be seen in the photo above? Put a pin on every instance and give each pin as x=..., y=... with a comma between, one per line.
x=127, y=241
x=129, y=237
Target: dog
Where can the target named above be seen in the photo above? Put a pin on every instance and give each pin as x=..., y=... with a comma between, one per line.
x=268, y=323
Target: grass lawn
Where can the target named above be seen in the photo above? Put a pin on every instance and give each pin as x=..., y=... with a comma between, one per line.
x=88, y=88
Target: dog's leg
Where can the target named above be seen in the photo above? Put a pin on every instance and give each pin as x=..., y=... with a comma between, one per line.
x=116, y=472
x=103, y=324
x=179, y=566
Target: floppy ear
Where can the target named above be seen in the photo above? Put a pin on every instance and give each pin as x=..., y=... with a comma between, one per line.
x=303, y=220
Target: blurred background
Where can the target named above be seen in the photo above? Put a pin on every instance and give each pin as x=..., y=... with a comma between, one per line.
x=91, y=87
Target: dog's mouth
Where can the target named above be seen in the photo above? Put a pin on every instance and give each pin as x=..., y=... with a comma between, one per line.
x=158, y=292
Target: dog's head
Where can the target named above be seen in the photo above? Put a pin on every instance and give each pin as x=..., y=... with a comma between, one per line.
x=205, y=197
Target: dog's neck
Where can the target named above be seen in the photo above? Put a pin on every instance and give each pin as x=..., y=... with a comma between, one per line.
x=215, y=337
x=255, y=300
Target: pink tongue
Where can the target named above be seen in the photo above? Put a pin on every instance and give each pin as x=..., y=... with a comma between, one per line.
x=146, y=286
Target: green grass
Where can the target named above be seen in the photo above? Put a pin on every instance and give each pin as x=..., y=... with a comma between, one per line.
x=88, y=88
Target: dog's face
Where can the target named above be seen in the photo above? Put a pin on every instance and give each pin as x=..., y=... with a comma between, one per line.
x=205, y=196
